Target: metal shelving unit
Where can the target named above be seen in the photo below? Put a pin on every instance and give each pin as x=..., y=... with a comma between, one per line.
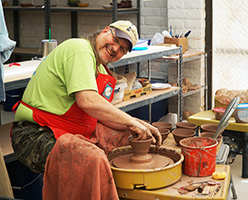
x=159, y=52
x=153, y=52
x=47, y=9
x=187, y=58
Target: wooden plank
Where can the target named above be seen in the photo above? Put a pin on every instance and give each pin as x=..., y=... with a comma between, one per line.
x=148, y=96
x=187, y=54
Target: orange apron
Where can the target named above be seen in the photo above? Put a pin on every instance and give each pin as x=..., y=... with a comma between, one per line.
x=75, y=120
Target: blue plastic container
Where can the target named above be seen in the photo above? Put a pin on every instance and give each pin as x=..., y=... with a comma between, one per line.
x=12, y=97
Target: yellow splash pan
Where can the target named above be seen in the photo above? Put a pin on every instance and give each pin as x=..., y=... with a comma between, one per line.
x=147, y=178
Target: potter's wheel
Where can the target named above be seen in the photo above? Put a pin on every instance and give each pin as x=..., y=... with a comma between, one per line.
x=156, y=161
x=149, y=178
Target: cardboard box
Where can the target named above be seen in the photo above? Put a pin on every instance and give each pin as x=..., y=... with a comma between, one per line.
x=146, y=89
x=178, y=41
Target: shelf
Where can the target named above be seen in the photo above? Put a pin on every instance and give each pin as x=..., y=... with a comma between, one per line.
x=28, y=51
x=92, y=9
x=153, y=52
x=193, y=91
x=47, y=9
x=73, y=9
x=22, y=8
x=187, y=56
x=155, y=96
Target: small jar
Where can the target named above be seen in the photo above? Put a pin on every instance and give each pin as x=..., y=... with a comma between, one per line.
x=241, y=113
x=219, y=112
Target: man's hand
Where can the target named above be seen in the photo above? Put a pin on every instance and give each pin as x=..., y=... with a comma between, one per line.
x=141, y=130
x=153, y=132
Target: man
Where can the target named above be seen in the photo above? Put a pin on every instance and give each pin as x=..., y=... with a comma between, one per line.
x=66, y=109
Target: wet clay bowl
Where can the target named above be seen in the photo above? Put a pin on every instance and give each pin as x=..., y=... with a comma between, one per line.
x=209, y=128
x=181, y=133
x=210, y=135
x=140, y=150
x=164, y=134
x=165, y=125
x=186, y=125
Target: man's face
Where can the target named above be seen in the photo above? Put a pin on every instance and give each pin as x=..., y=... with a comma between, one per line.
x=109, y=47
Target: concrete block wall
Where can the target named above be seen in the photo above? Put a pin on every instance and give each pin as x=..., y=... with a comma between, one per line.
x=184, y=16
x=32, y=22
x=154, y=17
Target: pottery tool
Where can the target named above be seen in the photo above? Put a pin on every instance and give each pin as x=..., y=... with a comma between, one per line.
x=227, y=114
x=14, y=63
x=216, y=190
x=201, y=187
x=187, y=34
x=199, y=182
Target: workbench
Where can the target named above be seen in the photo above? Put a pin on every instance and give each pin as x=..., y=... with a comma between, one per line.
x=208, y=117
x=171, y=192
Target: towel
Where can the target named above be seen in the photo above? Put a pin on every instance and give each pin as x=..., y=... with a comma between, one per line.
x=6, y=48
x=78, y=168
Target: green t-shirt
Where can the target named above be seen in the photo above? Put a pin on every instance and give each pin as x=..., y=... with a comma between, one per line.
x=69, y=68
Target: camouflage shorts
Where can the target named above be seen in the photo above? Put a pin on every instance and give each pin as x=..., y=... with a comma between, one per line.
x=32, y=143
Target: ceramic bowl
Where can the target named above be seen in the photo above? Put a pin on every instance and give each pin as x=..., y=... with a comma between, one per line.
x=164, y=133
x=210, y=135
x=164, y=125
x=26, y=4
x=161, y=130
x=83, y=4
x=181, y=133
x=107, y=7
x=73, y=4
x=186, y=125
x=209, y=128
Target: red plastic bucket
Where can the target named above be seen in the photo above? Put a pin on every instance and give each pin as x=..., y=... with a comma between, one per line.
x=199, y=156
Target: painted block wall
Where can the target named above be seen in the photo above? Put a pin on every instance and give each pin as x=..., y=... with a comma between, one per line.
x=184, y=16
x=153, y=19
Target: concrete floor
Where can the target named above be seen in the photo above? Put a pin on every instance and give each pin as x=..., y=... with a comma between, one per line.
x=241, y=184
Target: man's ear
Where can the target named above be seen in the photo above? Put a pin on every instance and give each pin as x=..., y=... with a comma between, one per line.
x=106, y=29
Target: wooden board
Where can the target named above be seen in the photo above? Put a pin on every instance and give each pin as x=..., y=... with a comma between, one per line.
x=148, y=96
x=187, y=54
x=171, y=192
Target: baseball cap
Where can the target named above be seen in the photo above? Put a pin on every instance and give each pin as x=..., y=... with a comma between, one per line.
x=125, y=29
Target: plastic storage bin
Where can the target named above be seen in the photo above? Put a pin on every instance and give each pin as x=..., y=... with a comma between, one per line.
x=12, y=97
